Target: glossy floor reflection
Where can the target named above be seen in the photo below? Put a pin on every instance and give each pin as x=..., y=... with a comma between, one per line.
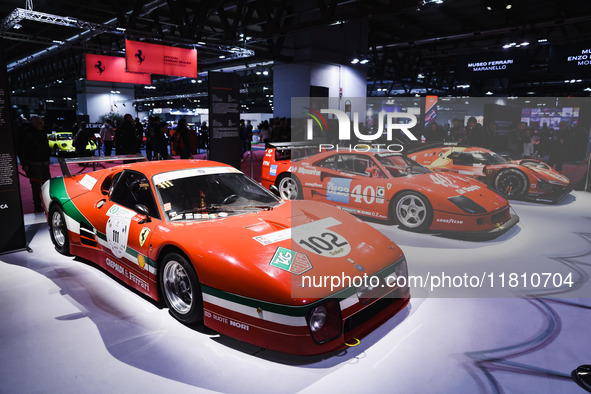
x=69, y=327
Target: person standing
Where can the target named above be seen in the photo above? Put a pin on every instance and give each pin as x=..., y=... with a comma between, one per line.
x=108, y=136
x=128, y=144
x=82, y=139
x=34, y=152
x=139, y=135
x=160, y=141
x=475, y=133
x=182, y=140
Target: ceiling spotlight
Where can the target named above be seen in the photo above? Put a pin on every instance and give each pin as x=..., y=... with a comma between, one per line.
x=17, y=26
x=489, y=93
x=265, y=72
x=193, y=81
x=364, y=61
x=355, y=61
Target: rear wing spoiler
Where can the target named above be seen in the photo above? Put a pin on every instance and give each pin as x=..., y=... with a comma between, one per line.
x=94, y=161
x=417, y=146
x=292, y=145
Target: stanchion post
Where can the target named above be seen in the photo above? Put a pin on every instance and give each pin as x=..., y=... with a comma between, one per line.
x=251, y=164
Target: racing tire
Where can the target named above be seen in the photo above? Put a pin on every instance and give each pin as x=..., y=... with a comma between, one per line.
x=58, y=230
x=289, y=187
x=180, y=289
x=412, y=211
x=511, y=183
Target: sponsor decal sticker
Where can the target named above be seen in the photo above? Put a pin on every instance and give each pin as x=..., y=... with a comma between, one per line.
x=380, y=192
x=338, y=190
x=141, y=261
x=88, y=182
x=288, y=260
x=144, y=235
x=273, y=170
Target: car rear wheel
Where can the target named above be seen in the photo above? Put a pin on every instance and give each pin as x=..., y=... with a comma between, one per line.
x=180, y=289
x=289, y=187
x=412, y=211
x=58, y=230
x=511, y=183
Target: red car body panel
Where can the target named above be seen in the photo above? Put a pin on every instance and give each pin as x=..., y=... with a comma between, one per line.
x=370, y=196
x=544, y=184
x=244, y=296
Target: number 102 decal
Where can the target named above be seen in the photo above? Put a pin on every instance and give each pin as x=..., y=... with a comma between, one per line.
x=324, y=243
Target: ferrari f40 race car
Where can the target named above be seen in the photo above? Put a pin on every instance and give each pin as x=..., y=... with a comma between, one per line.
x=524, y=179
x=216, y=247
x=389, y=186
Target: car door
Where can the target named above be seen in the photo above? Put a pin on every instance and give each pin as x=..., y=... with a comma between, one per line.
x=353, y=182
x=127, y=233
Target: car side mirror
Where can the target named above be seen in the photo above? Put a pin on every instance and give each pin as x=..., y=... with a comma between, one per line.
x=274, y=190
x=143, y=210
x=372, y=171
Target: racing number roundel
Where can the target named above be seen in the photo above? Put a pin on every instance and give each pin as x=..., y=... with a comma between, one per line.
x=323, y=242
x=117, y=231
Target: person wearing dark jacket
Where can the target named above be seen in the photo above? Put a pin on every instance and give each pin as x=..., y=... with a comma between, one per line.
x=34, y=152
x=128, y=136
x=475, y=133
x=160, y=141
x=182, y=140
x=81, y=140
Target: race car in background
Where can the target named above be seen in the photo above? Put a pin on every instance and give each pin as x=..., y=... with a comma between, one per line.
x=524, y=179
x=216, y=247
x=389, y=186
x=62, y=144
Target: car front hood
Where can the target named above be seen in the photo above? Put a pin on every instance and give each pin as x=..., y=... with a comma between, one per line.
x=439, y=187
x=262, y=255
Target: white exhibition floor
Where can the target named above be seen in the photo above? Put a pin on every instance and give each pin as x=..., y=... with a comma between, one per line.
x=68, y=327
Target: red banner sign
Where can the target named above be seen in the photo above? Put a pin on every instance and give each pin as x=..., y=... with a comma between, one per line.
x=160, y=59
x=112, y=69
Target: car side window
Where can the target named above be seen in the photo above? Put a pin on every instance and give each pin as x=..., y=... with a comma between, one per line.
x=130, y=188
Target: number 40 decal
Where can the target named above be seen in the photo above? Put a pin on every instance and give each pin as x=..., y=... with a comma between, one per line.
x=369, y=194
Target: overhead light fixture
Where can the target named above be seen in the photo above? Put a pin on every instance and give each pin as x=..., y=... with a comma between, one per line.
x=193, y=81
x=265, y=72
x=17, y=26
x=355, y=61
x=364, y=61
x=489, y=93
x=587, y=90
x=542, y=40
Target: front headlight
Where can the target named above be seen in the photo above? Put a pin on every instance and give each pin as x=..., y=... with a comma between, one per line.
x=466, y=205
x=317, y=318
x=552, y=181
x=325, y=321
x=64, y=145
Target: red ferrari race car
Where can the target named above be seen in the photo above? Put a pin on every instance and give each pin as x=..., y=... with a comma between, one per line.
x=525, y=179
x=390, y=186
x=216, y=247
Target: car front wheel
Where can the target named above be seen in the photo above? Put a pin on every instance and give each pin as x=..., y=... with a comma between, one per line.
x=511, y=183
x=412, y=211
x=58, y=230
x=180, y=289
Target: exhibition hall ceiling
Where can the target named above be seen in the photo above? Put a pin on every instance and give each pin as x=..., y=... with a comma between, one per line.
x=412, y=46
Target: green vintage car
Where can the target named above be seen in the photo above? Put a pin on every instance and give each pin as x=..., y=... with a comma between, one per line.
x=62, y=143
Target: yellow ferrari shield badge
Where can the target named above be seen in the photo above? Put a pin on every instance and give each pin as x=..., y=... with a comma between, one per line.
x=144, y=235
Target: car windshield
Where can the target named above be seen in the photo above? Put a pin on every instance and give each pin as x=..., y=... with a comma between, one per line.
x=210, y=193
x=534, y=164
x=488, y=158
x=398, y=165
x=64, y=137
